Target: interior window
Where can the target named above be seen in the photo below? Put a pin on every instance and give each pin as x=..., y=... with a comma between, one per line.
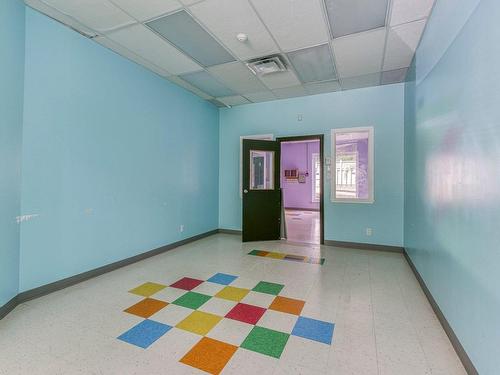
x=352, y=169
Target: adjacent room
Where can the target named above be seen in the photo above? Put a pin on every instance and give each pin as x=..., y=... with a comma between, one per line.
x=301, y=190
x=249, y=187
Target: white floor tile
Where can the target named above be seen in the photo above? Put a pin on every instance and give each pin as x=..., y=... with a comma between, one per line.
x=218, y=306
x=383, y=321
x=246, y=362
x=258, y=299
x=230, y=331
x=278, y=321
x=171, y=315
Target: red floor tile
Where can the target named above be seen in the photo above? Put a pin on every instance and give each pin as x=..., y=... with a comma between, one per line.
x=246, y=313
x=186, y=283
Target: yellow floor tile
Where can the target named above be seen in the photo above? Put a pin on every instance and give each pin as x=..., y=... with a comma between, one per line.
x=232, y=293
x=199, y=322
x=147, y=289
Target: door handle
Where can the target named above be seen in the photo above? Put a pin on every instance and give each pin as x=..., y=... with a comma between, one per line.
x=245, y=191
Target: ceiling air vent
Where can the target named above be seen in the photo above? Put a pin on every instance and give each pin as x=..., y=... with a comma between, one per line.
x=267, y=65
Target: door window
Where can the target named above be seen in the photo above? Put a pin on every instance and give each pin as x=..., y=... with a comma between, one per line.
x=261, y=170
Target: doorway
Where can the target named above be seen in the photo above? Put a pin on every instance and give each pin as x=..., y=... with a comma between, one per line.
x=269, y=210
x=301, y=182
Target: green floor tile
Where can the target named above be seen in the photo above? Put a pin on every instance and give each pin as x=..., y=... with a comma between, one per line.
x=266, y=341
x=268, y=288
x=192, y=300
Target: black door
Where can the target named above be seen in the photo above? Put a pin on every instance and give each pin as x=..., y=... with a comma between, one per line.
x=261, y=190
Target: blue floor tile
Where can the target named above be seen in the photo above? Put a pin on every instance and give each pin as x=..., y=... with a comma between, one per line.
x=222, y=278
x=145, y=333
x=313, y=329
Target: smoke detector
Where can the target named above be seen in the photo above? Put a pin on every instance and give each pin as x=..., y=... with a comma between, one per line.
x=267, y=65
x=242, y=37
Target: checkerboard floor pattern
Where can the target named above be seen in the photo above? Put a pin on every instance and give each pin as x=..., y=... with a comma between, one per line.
x=222, y=319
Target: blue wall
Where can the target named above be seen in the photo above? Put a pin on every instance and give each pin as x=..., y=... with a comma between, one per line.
x=115, y=159
x=380, y=107
x=11, y=112
x=452, y=208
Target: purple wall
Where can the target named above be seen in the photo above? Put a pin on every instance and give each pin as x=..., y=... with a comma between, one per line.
x=298, y=156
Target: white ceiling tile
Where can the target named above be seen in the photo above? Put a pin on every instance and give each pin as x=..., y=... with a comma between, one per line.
x=393, y=76
x=366, y=80
x=294, y=24
x=147, y=9
x=108, y=43
x=180, y=82
x=233, y=100
x=237, y=77
x=401, y=44
x=290, y=92
x=263, y=96
x=280, y=80
x=207, y=83
x=61, y=17
x=359, y=54
x=99, y=15
x=322, y=87
x=142, y=41
x=226, y=18
x=404, y=11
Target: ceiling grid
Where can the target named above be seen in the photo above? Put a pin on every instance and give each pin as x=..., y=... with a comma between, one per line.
x=326, y=45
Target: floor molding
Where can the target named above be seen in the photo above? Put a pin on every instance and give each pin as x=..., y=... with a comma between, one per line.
x=230, y=231
x=365, y=246
x=67, y=282
x=8, y=307
x=455, y=342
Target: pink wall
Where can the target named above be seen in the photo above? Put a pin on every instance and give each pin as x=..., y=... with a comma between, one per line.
x=298, y=156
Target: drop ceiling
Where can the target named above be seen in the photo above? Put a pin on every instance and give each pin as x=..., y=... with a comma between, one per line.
x=327, y=45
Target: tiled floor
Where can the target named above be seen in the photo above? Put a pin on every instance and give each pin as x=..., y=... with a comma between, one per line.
x=303, y=226
x=383, y=322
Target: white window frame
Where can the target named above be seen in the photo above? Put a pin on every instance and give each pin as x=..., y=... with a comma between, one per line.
x=261, y=137
x=371, y=165
x=315, y=156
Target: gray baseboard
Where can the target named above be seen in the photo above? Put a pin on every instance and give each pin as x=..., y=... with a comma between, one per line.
x=230, y=231
x=365, y=246
x=67, y=282
x=8, y=307
x=459, y=349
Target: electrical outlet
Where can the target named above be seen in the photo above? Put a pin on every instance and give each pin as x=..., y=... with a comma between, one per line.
x=369, y=231
x=181, y=228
